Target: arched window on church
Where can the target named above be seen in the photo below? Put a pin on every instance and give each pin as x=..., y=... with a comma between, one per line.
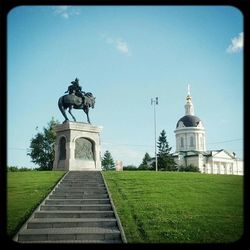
x=191, y=141
x=202, y=141
x=182, y=142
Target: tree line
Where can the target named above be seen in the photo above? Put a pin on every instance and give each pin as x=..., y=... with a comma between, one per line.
x=42, y=153
x=164, y=157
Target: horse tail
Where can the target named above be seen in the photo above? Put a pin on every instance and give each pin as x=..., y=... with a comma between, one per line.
x=60, y=103
x=62, y=107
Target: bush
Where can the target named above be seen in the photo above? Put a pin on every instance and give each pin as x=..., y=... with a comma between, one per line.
x=12, y=169
x=130, y=167
x=16, y=169
x=189, y=168
x=25, y=169
x=145, y=167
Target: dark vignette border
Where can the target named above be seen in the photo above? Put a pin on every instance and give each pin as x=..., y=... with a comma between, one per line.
x=5, y=8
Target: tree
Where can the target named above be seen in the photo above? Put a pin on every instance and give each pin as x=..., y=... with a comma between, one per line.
x=42, y=146
x=146, y=162
x=107, y=161
x=165, y=158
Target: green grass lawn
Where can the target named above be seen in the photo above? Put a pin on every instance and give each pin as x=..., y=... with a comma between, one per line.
x=154, y=207
x=172, y=207
x=25, y=191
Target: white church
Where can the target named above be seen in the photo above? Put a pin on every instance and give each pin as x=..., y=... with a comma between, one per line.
x=191, y=147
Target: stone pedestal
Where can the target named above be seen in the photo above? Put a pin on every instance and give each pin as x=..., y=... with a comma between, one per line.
x=77, y=147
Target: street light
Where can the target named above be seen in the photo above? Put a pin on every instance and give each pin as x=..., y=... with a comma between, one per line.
x=155, y=102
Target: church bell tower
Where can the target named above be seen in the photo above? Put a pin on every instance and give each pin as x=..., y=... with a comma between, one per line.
x=189, y=132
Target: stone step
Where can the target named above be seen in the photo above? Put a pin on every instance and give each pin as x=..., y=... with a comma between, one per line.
x=78, y=196
x=105, y=207
x=76, y=201
x=73, y=187
x=74, y=241
x=87, y=178
x=80, y=185
x=74, y=214
x=78, y=210
x=75, y=194
x=83, y=174
x=82, y=182
x=81, y=189
x=54, y=234
x=81, y=192
x=70, y=176
x=71, y=222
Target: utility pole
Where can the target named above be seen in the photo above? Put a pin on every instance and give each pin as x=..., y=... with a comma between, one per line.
x=155, y=102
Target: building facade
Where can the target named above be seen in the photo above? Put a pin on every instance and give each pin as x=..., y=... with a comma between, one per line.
x=191, y=146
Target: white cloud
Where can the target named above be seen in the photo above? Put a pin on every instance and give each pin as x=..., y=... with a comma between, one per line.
x=65, y=15
x=118, y=43
x=236, y=44
x=122, y=46
x=66, y=11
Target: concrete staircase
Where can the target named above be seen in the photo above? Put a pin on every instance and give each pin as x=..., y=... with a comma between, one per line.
x=78, y=210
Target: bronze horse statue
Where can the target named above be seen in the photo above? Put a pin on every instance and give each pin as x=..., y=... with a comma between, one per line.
x=72, y=101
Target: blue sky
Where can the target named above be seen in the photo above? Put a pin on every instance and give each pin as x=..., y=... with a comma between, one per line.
x=125, y=55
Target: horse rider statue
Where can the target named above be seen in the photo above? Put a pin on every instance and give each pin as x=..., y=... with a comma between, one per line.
x=75, y=89
x=76, y=99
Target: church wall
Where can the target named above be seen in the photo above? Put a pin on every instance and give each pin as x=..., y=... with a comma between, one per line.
x=238, y=167
x=193, y=160
x=212, y=165
x=223, y=166
x=201, y=142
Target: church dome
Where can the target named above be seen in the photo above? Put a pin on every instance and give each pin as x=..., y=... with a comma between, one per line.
x=189, y=121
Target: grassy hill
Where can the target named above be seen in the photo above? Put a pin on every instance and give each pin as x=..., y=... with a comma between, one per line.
x=154, y=207
x=25, y=192
x=172, y=207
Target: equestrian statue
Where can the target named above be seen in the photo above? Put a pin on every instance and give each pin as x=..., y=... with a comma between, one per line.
x=77, y=99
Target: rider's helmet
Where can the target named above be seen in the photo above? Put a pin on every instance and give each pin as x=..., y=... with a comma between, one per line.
x=75, y=82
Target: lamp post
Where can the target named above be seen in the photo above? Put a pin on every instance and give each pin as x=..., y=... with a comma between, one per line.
x=155, y=102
